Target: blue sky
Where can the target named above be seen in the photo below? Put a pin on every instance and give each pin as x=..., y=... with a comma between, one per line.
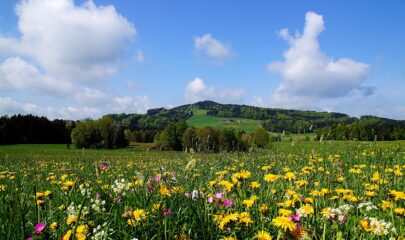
x=77, y=59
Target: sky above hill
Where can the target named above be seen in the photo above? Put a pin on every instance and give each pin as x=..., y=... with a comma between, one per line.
x=77, y=59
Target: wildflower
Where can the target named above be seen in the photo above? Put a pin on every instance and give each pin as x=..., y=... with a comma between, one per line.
x=219, y=195
x=305, y=211
x=53, y=225
x=289, y=176
x=39, y=227
x=283, y=223
x=167, y=212
x=71, y=219
x=399, y=211
x=284, y=212
x=263, y=208
x=67, y=235
x=295, y=218
x=103, y=166
x=227, y=202
x=271, y=178
x=139, y=214
x=263, y=235
x=386, y=205
x=255, y=185
x=244, y=218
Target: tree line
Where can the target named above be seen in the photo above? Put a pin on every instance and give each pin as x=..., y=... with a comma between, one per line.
x=366, y=128
x=179, y=136
x=24, y=129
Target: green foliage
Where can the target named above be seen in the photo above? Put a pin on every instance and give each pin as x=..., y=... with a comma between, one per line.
x=261, y=137
x=103, y=133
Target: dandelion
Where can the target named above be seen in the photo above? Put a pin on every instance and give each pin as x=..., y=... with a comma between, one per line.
x=283, y=223
x=263, y=235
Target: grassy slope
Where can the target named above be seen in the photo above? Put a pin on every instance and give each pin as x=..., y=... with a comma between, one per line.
x=201, y=119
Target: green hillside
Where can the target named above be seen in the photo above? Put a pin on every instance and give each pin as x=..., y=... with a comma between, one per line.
x=201, y=119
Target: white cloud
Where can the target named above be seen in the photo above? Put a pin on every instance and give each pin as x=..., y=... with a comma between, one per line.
x=91, y=96
x=129, y=105
x=212, y=47
x=16, y=75
x=10, y=106
x=70, y=42
x=139, y=57
x=308, y=73
x=196, y=90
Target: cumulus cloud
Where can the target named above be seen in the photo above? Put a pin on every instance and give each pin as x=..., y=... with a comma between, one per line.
x=69, y=41
x=196, y=90
x=212, y=47
x=91, y=96
x=16, y=75
x=139, y=104
x=308, y=73
x=10, y=106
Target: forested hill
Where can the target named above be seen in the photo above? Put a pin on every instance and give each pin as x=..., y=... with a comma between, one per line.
x=272, y=119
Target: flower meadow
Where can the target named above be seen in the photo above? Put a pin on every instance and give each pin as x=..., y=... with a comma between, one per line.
x=329, y=190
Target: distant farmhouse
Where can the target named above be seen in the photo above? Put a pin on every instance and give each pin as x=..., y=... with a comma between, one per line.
x=228, y=121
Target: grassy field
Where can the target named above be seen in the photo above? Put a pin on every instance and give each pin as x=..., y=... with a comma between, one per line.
x=296, y=190
x=201, y=119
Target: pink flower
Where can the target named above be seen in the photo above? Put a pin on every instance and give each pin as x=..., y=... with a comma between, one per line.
x=98, y=195
x=39, y=228
x=227, y=203
x=210, y=199
x=28, y=238
x=167, y=212
x=219, y=195
x=187, y=194
x=295, y=218
x=103, y=166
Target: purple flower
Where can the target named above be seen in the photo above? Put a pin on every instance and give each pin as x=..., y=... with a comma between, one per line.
x=157, y=178
x=227, y=203
x=167, y=212
x=28, y=238
x=39, y=228
x=103, y=166
x=98, y=195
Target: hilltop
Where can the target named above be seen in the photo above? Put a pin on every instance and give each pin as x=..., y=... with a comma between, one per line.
x=246, y=118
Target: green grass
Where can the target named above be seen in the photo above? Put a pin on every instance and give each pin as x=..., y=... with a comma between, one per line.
x=201, y=119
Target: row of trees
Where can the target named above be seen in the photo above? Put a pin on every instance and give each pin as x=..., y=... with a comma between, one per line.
x=363, y=132
x=178, y=136
x=102, y=133
x=20, y=129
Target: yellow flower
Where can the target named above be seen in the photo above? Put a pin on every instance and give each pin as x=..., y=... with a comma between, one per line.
x=263, y=208
x=61, y=207
x=40, y=202
x=255, y=184
x=399, y=211
x=229, y=238
x=84, y=229
x=263, y=235
x=284, y=223
x=305, y=210
x=165, y=192
x=48, y=193
x=67, y=235
x=53, y=225
x=284, y=212
x=71, y=219
x=370, y=193
x=244, y=218
x=139, y=214
x=397, y=195
x=386, y=205
x=3, y=187
x=68, y=184
x=289, y=176
x=227, y=219
x=248, y=202
x=39, y=194
x=364, y=224
x=271, y=178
